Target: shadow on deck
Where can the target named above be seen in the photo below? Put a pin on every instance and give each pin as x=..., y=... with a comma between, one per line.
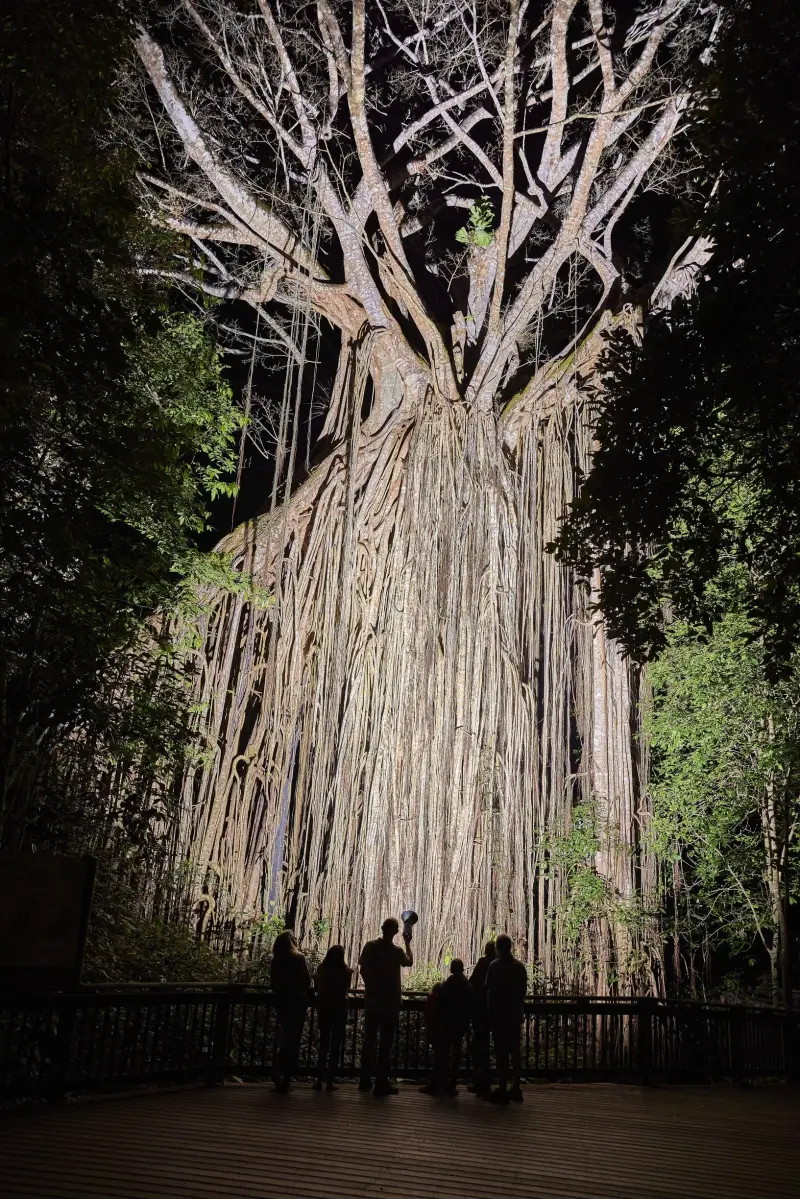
x=565, y=1141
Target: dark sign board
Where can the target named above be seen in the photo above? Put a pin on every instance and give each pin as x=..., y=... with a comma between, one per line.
x=44, y=914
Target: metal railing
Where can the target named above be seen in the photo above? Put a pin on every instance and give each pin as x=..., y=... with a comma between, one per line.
x=111, y=1037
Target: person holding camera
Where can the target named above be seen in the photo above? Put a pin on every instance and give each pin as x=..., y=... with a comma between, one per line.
x=380, y=964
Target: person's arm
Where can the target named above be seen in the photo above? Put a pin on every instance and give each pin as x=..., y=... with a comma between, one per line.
x=303, y=974
x=408, y=957
x=363, y=963
x=488, y=986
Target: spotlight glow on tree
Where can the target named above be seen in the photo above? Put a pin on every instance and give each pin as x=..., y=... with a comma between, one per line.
x=459, y=190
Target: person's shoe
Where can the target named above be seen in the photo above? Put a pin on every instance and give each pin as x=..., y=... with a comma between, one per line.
x=317, y=1085
x=515, y=1095
x=384, y=1088
x=501, y=1097
x=282, y=1086
x=451, y=1092
x=365, y=1084
x=331, y=1086
x=430, y=1089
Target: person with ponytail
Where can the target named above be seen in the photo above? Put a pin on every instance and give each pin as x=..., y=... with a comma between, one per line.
x=332, y=985
x=291, y=989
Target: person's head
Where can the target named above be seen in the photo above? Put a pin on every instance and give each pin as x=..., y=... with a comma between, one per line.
x=390, y=928
x=334, y=958
x=503, y=945
x=490, y=950
x=285, y=944
x=457, y=967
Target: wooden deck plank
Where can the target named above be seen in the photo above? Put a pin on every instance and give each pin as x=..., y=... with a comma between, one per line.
x=565, y=1142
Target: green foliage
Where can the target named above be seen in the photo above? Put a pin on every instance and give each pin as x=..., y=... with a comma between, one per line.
x=573, y=850
x=127, y=944
x=478, y=230
x=588, y=898
x=116, y=429
x=269, y=925
x=423, y=977
x=177, y=378
x=697, y=466
x=572, y=855
x=725, y=745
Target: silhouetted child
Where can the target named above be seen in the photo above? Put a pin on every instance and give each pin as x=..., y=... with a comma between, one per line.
x=291, y=987
x=332, y=984
x=450, y=1024
x=431, y=1014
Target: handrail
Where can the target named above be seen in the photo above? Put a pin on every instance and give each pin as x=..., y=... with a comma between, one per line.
x=216, y=986
x=99, y=1037
x=356, y=993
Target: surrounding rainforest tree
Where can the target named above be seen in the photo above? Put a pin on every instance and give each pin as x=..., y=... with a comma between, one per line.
x=695, y=480
x=472, y=195
x=725, y=777
x=116, y=426
x=697, y=464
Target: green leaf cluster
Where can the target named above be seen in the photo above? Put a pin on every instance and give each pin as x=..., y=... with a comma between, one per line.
x=571, y=855
x=479, y=229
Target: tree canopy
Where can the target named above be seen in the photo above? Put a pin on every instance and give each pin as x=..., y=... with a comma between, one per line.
x=696, y=463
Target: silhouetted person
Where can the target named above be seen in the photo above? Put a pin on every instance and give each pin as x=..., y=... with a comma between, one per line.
x=431, y=1013
x=450, y=1024
x=506, y=987
x=291, y=987
x=380, y=964
x=479, y=1016
x=431, y=1016
x=332, y=984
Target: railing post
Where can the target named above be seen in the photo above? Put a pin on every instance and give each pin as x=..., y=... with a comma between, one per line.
x=66, y=1014
x=644, y=1016
x=737, y=1043
x=791, y=1045
x=221, y=1034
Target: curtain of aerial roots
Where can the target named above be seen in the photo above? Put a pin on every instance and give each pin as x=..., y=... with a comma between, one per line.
x=413, y=721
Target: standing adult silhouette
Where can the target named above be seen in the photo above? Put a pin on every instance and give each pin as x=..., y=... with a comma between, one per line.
x=331, y=983
x=506, y=987
x=380, y=964
x=291, y=988
x=479, y=1018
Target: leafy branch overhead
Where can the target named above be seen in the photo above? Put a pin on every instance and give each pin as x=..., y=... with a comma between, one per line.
x=478, y=232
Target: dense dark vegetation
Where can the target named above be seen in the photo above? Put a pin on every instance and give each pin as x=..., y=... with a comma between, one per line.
x=117, y=428
x=692, y=514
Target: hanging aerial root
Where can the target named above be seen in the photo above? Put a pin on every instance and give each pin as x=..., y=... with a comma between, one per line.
x=411, y=722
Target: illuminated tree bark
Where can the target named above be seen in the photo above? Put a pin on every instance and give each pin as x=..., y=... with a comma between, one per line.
x=413, y=718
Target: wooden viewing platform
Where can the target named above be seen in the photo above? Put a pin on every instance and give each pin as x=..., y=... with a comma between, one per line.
x=599, y=1141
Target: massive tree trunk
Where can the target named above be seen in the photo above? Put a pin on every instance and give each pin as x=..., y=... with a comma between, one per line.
x=412, y=720
x=429, y=697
